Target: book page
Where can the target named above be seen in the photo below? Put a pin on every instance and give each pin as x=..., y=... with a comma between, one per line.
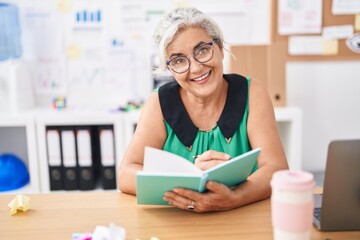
x=157, y=160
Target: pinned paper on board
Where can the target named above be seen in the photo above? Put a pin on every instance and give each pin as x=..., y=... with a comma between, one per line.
x=312, y=45
x=340, y=7
x=20, y=202
x=299, y=17
x=338, y=32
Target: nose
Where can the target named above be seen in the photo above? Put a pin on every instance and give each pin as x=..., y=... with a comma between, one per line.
x=195, y=66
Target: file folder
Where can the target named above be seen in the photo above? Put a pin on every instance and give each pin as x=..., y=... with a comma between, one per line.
x=69, y=159
x=86, y=174
x=107, y=157
x=54, y=159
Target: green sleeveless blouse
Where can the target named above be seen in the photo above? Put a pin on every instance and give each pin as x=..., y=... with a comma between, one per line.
x=228, y=136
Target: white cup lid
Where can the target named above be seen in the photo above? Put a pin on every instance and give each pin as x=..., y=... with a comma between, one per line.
x=292, y=180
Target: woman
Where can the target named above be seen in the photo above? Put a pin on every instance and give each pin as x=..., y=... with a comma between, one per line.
x=205, y=113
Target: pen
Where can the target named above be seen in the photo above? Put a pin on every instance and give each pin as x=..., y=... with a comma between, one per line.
x=196, y=156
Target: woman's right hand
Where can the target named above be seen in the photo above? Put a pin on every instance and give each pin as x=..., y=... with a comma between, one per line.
x=210, y=159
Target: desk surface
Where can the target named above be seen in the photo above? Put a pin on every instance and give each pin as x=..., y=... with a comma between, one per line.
x=58, y=215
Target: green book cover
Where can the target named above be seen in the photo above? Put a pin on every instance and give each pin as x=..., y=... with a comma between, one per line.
x=164, y=171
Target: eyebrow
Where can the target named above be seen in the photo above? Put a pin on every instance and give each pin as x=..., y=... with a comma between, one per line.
x=181, y=54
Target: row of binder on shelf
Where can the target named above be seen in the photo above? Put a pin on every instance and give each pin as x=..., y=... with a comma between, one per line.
x=81, y=157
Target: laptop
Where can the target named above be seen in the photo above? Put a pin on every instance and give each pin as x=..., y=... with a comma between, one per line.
x=338, y=207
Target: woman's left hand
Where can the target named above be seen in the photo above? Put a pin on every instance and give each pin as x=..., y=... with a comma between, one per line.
x=218, y=198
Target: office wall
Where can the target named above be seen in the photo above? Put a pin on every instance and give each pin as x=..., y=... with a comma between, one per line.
x=325, y=91
x=329, y=95
x=104, y=49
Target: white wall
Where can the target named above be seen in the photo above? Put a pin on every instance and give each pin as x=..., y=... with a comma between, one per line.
x=329, y=95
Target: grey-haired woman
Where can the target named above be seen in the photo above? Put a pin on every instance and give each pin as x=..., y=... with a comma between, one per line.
x=204, y=113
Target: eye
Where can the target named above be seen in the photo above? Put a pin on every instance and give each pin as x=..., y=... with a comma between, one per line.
x=202, y=50
x=178, y=61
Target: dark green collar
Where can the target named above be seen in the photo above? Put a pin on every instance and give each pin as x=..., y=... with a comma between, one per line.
x=177, y=117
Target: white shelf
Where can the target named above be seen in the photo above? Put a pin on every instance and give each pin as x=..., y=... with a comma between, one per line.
x=22, y=124
x=27, y=189
x=32, y=127
x=289, y=120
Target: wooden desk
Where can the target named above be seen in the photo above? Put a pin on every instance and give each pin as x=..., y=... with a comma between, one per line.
x=57, y=216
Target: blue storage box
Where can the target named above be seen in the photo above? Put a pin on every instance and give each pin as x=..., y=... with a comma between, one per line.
x=10, y=41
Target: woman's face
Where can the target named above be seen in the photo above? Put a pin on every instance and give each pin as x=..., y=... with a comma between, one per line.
x=201, y=79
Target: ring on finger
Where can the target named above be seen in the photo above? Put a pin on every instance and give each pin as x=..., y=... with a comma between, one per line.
x=191, y=206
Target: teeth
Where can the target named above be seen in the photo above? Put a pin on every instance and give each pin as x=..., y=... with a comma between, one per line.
x=202, y=77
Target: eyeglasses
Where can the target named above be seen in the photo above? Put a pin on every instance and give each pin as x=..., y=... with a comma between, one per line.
x=201, y=54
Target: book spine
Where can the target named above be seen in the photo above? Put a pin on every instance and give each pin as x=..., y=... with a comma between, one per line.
x=203, y=181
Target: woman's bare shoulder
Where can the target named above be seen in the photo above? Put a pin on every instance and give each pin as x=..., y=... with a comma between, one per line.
x=152, y=105
x=258, y=94
x=150, y=127
x=257, y=86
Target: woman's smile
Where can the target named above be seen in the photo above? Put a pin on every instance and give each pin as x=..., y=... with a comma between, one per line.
x=202, y=79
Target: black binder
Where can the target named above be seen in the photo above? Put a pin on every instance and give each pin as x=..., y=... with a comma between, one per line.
x=107, y=157
x=54, y=158
x=85, y=158
x=69, y=158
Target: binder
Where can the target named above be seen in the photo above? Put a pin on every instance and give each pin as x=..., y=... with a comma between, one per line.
x=86, y=173
x=54, y=159
x=107, y=157
x=69, y=161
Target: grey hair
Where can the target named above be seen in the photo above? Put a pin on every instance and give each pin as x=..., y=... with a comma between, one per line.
x=178, y=20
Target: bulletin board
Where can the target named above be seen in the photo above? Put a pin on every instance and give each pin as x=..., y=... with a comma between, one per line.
x=267, y=63
x=329, y=19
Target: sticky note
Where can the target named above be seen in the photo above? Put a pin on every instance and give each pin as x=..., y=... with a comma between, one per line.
x=330, y=47
x=73, y=52
x=63, y=5
x=357, y=22
x=20, y=202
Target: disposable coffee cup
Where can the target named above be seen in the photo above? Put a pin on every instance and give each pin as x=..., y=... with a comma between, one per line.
x=292, y=204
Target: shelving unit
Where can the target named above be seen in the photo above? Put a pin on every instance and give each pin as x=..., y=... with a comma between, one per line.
x=289, y=120
x=25, y=135
x=17, y=136
x=74, y=117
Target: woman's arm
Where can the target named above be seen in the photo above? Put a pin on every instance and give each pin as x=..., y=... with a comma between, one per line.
x=150, y=131
x=262, y=132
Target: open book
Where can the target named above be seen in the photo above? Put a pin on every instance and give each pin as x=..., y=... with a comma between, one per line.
x=164, y=171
